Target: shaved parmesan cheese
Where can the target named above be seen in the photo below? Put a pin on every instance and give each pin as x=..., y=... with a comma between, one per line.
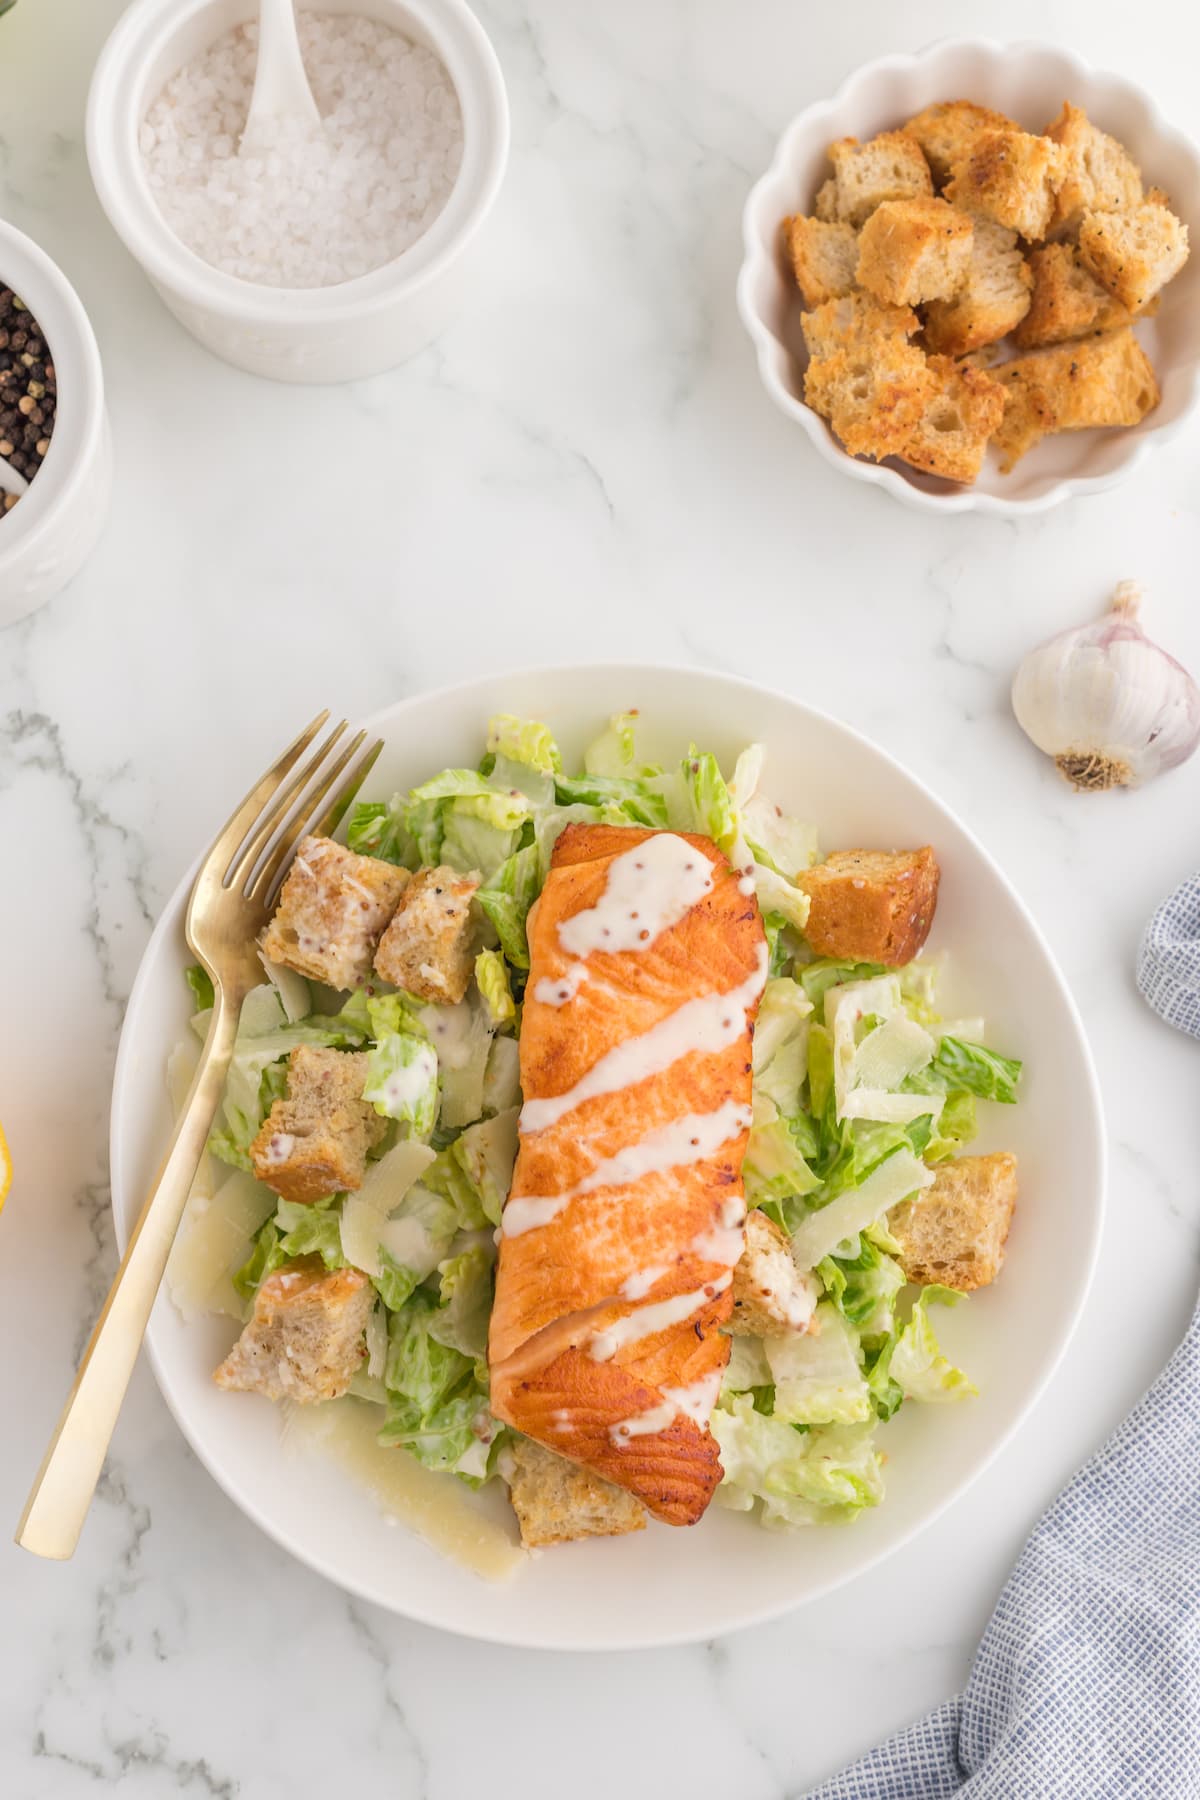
x=214, y=1240
x=891, y=1053
x=294, y=995
x=409, y=1241
x=891, y=1109
x=894, y=1180
x=844, y=1007
x=365, y=1213
x=442, y=1512
x=262, y=1012
x=181, y=1069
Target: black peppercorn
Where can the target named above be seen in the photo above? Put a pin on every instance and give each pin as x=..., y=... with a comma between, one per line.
x=28, y=392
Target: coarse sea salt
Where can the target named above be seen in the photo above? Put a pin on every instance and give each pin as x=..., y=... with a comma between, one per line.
x=306, y=206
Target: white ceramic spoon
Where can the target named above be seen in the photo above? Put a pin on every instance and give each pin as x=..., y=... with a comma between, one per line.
x=281, y=87
x=10, y=481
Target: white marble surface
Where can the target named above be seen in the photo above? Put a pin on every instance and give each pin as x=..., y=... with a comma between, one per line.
x=583, y=467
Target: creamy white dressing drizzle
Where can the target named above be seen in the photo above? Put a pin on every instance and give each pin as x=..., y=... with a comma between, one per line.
x=406, y=1085
x=724, y=1244
x=550, y=991
x=733, y=1212
x=453, y=1031
x=699, y=1397
x=638, y=1285
x=707, y=1025
x=688, y=1140
x=655, y=1418
x=696, y=1401
x=649, y=889
x=648, y=1320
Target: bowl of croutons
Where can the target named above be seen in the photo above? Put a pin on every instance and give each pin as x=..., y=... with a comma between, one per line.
x=967, y=276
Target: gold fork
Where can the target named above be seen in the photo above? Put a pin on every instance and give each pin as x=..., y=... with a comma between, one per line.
x=231, y=901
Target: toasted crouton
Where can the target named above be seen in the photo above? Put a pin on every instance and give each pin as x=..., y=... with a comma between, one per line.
x=911, y=251
x=305, y=1337
x=1011, y=177
x=331, y=912
x=890, y=167
x=953, y=434
x=771, y=1298
x=1099, y=381
x=428, y=949
x=947, y=132
x=1067, y=301
x=993, y=299
x=823, y=256
x=557, y=1501
x=953, y=1233
x=871, y=905
x=1102, y=176
x=315, y=1142
x=1134, y=254
x=825, y=204
x=864, y=376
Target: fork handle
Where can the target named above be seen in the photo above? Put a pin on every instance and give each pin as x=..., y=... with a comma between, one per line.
x=62, y=1491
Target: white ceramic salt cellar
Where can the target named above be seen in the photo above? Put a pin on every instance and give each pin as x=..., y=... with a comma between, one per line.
x=356, y=328
x=49, y=534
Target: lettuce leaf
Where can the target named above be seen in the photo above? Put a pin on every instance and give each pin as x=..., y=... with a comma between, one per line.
x=491, y=977
x=461, y=1320
x=524, y=741
x=311, y=1230
x=912, y=1365
x=506, y=898
x=863, y=1286
x=801, y=1476
x=402, y=1082
x=818, y=1380
x=379, y=829
x=200, y=983
x=972, y=1069
x=614, y=752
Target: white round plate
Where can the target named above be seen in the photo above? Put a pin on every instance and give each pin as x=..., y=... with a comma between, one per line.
x=666, y=1585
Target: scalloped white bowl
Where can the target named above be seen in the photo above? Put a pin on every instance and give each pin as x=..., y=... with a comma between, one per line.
x=1029, y=82
x=667, y=1586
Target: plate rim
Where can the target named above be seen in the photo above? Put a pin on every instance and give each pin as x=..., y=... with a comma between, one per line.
x=614, y=674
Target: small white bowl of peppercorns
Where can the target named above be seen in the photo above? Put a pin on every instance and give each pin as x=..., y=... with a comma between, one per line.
x=55, y=453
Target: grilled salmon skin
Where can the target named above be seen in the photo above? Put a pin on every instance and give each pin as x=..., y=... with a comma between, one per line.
x=648, y=959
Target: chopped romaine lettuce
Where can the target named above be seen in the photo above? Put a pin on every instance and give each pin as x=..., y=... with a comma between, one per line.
x=912, y=1365
x=200, y=983
x=817, y=1377
x=614, y=752
x=864, y=1285
x=524, y=741
x=972, y=1069
x=461, y=1320
x=491, y=977
x=506, y=898
x=402, y=1082
x=311, y=1230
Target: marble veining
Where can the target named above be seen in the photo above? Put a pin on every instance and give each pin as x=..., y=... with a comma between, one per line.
x=584, y=467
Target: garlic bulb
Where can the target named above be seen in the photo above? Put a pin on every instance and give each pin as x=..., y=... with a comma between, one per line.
x=1110, y=707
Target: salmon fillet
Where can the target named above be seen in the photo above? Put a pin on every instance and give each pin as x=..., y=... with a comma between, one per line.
x=648, y=958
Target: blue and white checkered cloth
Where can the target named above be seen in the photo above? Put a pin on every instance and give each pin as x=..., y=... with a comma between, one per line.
x=1087, y=1683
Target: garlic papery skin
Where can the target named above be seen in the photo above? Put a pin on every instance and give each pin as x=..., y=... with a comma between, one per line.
x=1109, y=706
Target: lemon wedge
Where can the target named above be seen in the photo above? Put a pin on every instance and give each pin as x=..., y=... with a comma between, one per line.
x=5, y=1169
